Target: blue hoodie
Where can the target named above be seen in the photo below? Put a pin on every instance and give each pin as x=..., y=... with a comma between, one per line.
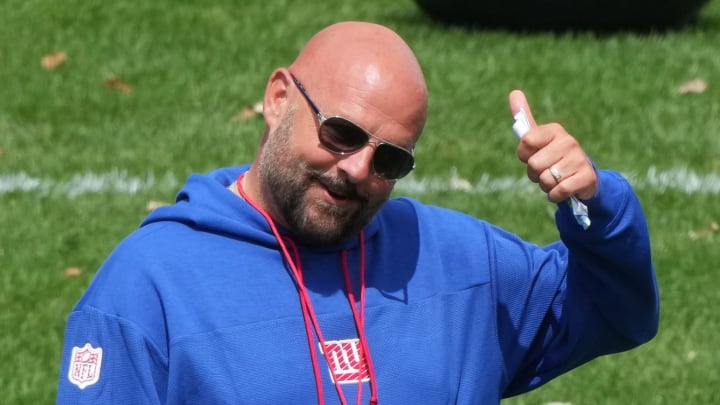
x=197, y=306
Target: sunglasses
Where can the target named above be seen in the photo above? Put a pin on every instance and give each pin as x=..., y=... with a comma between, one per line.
x=343, y=137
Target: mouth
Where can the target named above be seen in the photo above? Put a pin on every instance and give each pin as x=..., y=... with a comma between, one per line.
x=340, y=195
x=335, y=196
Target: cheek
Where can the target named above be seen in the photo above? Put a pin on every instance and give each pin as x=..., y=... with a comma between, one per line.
x=305, y=144
x=308, y=148
x=379, y=189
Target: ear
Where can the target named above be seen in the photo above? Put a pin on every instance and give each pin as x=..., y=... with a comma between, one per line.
x=275, y=102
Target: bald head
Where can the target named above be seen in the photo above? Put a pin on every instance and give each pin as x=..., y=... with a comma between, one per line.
x=370, y=64
x=366, y=74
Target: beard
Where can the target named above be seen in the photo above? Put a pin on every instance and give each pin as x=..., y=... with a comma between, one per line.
x=285, y=179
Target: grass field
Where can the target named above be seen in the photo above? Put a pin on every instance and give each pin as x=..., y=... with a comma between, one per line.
x=149, y=92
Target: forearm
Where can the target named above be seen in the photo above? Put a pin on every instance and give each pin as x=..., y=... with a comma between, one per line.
x=610, y=263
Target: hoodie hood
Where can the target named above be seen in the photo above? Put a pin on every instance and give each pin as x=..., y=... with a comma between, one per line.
x=206, y=203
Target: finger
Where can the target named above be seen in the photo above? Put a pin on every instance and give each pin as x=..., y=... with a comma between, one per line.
x=541, y=176
x=517, y=101
x=545, y=147
x=559, y=182
x=547, y=180
x=568, y=181
x=565, y=189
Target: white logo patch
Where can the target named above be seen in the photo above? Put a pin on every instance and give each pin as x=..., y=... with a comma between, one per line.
x=85, y=365
x=346, y=360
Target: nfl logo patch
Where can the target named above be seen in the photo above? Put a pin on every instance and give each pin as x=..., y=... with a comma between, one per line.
x=85, y=365
x=347, y=361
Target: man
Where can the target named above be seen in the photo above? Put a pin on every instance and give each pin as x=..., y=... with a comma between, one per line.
x=296, y=280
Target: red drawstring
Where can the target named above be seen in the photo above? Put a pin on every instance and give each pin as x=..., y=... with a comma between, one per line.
x=360, y=318
x=309, y=316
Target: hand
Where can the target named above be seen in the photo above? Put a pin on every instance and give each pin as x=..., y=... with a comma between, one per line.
x=554, y=158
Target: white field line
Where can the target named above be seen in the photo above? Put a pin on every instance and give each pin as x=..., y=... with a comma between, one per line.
x=115, y=181
x=679, y=179
x=119, y=181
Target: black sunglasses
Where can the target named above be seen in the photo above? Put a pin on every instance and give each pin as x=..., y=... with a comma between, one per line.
x=343, y=137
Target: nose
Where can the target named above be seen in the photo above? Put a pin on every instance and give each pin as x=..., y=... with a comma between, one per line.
x=358, y=166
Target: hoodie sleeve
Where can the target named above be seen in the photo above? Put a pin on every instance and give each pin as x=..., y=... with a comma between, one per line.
x=594, y=293
x=114, y=348
x=107, y=360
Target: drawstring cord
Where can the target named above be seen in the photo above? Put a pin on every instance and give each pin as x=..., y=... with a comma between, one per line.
x=360, y=318
x=309, y=317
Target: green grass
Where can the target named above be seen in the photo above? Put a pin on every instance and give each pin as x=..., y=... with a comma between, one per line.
x=193, y=65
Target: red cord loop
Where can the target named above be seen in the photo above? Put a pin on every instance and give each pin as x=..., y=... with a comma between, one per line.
x=310, y=319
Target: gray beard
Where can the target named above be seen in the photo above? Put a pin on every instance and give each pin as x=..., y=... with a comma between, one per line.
x=285, y=180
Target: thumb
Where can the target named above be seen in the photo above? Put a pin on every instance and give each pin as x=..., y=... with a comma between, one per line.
x=517, y=101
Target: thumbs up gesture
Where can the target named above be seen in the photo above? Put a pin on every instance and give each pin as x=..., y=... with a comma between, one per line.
x=554, y=158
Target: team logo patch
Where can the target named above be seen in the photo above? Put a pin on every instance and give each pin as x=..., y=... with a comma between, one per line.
x=85, y=365
x=346, y=361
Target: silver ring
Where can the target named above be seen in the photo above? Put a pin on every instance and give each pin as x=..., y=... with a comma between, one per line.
x=555, y=173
